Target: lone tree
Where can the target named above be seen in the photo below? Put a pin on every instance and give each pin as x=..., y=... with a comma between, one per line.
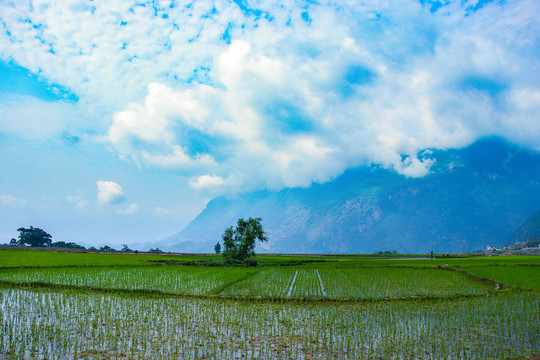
x=217, y=248
x=34, y=237
x=239, y=242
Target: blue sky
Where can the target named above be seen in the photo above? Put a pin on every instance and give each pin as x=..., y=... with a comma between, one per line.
x=120, y=120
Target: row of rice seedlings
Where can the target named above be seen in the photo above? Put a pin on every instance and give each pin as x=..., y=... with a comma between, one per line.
x=173, y=279
x=373, y=282
x=381, y=282
x=337, y=284
x=262, y=282
x=280, y=282
x=68, y=325
x=307, y=284
x=524, y=277
x=270, y=282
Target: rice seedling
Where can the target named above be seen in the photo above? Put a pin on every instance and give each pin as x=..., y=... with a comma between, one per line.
x=269, y=282
x=68, y=325
x=308, y=284
x=524, y=277
x=387, y=282
x=171, y=279
x=358, y=282
x=288, y=321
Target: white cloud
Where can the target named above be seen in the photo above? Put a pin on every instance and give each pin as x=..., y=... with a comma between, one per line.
x=128, y=210
x=147, y=133
x=206, y=181
x=287, y=102
x=109, y=192
x=112, y=193
x=178, y=158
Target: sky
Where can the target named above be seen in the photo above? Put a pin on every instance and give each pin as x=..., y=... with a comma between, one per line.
x=120, y=120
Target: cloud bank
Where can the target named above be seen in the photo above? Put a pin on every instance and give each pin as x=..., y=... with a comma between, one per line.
x=241, y=96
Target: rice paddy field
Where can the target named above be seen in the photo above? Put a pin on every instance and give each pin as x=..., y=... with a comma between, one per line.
x=120, y=306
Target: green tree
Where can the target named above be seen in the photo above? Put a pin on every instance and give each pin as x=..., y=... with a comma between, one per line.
x=239, y=242
x=217, y=248
x=34, y=237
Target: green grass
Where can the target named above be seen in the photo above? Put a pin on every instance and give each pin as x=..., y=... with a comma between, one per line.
x=342, y=276
x=523, y=277
x=388, y=282
x=440, y=261
x=358, y=282
x=57, y=257
x=271, y=282
x=167, y=279
x=36, y=258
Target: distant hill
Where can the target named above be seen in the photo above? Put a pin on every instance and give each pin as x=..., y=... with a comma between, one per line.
x=530, y=229
x=474, y=197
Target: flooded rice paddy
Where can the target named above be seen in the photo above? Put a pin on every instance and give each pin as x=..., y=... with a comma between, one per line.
x=63, y=325
x=336, y=310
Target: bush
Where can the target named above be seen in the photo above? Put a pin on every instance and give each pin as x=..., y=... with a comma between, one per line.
x=250, y=262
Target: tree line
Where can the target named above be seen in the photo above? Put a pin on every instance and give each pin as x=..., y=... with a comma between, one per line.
x=238, y=242
x=36, y=237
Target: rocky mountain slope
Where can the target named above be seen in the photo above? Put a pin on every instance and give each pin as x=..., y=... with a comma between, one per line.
x=530, y=229
x=474, y=197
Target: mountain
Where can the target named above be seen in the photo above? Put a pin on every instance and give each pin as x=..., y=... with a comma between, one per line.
x=530, y=229
x=529, y=247
x=474, y=197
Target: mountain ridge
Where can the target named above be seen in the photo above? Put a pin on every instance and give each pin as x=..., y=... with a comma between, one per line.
x=474, y=197
x=530, y=229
